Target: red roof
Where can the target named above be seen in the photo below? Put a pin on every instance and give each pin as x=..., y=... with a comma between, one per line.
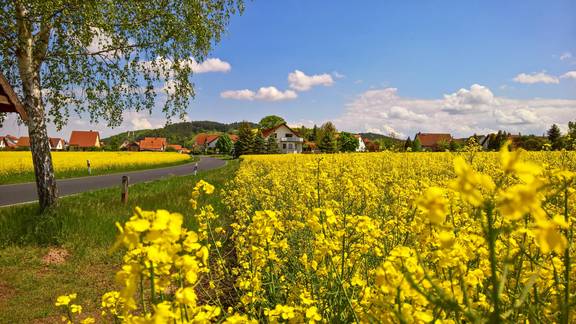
x=85, y=139
x=54, y=142
x=234, y=138
x=203, y=138
x=267, y=132
x=431, y=139
x=10, y=140
x=153, y=143
x=23, y=142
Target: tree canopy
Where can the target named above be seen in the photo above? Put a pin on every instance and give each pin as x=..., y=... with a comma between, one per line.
x=271, y=121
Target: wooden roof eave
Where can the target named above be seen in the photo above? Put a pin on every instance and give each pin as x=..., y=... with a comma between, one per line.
x=9, y=101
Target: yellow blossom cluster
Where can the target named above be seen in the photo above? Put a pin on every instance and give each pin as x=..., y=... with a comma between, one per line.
x=409, y=238
x=14, y=163
x=383, y=237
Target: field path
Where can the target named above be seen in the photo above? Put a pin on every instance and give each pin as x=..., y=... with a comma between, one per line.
x=26, y=192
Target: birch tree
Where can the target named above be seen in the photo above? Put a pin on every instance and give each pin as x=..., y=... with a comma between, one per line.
x=97, y=59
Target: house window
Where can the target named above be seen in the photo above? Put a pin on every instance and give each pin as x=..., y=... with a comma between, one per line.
x=284, y=146
x=288, y=135
x=290, y=146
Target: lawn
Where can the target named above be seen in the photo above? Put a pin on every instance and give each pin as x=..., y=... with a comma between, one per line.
x=16, y=167
x=68, y=250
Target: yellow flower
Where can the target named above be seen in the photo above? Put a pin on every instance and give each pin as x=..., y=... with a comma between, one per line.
x=434, y=204
x=312, y=314
x=549, y=238
x=446, y=239
x=65, y=299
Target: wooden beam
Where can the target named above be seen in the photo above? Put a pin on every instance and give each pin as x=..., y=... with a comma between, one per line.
x=4, y=100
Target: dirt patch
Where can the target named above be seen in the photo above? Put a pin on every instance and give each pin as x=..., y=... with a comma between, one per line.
x=55, y=256
x=6, y=292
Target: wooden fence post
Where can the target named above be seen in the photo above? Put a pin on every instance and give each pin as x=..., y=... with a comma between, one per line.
x=124, y=197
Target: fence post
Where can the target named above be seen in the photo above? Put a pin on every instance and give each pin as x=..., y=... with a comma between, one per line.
x=124, y=197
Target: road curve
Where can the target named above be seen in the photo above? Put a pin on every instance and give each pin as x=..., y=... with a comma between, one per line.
x=26, y=192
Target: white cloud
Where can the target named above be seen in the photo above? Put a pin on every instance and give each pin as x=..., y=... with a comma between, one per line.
x=136, y=120
x=384, y=111
x=516, y=117
x=402, y=113
x=299, y=81
x=569, y=75
x=540, y=77
x=264, y=94
x=210, y=65
x=165, y=65
x=565, y=56
x=100, y=42
x=477, y=99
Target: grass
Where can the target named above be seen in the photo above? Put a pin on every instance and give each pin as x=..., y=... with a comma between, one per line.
x=28, y=176
x=83, y=225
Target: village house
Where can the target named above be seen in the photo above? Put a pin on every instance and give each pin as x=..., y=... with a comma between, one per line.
x=8, y=142
x=288, y=140
x=178, y=148
x=202, y=140
x=83, y=140
x=211, y=144
x=23, y=142
x=361, y=144
x=57, y=144
x=157, y=144
x=432, y=141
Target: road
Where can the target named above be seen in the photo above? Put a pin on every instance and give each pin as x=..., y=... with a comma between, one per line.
x=26, y=192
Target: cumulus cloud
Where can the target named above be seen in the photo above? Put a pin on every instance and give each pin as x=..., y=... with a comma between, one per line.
x=264, y=94
x=473, y=110
x=299, y=81
x=516, y=117
x=165, y=65
x=540, y=77
x=569, y=75
x=477, y=99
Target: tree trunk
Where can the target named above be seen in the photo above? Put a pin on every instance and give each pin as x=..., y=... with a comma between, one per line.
x=40, y=146
x=29, y=62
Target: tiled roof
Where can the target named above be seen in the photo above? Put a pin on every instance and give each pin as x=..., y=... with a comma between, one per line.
x=234, y=138
x=84, y=139
x=54, y=142
x=153, y=143
x=23, y=142
x=267, y=132
x=432, y=139
x=203, y=138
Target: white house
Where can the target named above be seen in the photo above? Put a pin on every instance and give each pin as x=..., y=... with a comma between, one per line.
x=361, y=144
x=288, y=140
x=57, y=144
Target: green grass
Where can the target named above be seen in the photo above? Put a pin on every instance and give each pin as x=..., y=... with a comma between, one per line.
x=84, y=226
x=23, y=177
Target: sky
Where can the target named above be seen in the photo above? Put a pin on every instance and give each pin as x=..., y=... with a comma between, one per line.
x=389, y=67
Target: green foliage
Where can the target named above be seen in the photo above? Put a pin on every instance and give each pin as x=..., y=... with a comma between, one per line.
x=224, y=144
x=313, y=136
x=272, y=146
x=259, y=143
x=408, y=144
x=443, y=145
x=271, y=121
x=554, y=136
x=327, y=137
x=170, y=149
x=245, y=143
x=93, y=56
x=416, y=145
x=454, y=146
x=347, y=142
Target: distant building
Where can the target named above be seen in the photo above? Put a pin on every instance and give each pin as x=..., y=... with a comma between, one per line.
x=57, y=144
x=23, y=142
x=288, y=140
x=211, y=144
x=82, y=140
x=8, y=142
x=157, y=144
x=361, y=144
x=176, y=147
x=431, y=141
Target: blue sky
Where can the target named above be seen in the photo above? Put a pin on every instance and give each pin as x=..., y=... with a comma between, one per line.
x=391, y=67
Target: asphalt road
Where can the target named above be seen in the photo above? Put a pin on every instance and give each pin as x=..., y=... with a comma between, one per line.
x=26, y=192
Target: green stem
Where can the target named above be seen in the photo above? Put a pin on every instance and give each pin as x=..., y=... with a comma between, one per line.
x=152, y=287
x=567, y=261
x=492, y=237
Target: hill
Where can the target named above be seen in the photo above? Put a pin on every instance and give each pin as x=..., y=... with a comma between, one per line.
x=178, y=133
x=377, y=137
